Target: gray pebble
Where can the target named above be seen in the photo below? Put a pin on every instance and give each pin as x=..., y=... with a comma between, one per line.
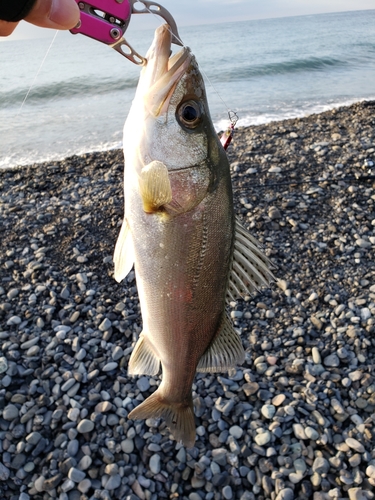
x=311, y=433
x=268, y=411
x=76, y=475
x=285, y=494
x=143, y=384
x=3, y=364
x=117, y=353
x=227, y=492
x=236, y=431
x=332, y=361
x=299, y=431
x=73, y=447
x=84, y=485
x=355, y=445
x=263, y=438
x=10, y=412
x=4, y=472
x=110, y=366
x=316, y=355
x=113, y=482
x=105, y=325
x=155, y=463
x=320, y=465
x=85, y=426
x=127, y=445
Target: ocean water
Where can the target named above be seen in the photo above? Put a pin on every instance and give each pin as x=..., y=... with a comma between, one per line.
x=80, y=91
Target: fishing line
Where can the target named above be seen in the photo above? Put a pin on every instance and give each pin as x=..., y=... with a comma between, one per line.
x=37, y=73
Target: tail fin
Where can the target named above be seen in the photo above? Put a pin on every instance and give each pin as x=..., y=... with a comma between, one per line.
x=179, y=417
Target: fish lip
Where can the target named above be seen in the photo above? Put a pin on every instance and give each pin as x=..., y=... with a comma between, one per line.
x=159, y=59
x=162, y=71
x=159, y=94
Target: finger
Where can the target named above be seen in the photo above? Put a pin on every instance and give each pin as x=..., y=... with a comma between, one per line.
x=7, y=28
x=57, y=14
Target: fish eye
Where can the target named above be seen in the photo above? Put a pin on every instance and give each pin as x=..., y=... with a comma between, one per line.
x=189, y=114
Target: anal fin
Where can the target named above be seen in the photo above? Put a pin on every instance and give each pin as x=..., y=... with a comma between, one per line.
x=224, y=352
x=143, y=360
x=155, y=187
x=251, y=269
x=123, y=257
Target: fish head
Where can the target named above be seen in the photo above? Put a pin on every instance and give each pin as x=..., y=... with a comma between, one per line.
x=169, y=120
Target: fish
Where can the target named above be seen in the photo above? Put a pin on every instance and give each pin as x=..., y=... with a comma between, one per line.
x=190, y=254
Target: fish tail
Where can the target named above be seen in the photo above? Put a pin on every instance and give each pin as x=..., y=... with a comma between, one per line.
x=179, y=417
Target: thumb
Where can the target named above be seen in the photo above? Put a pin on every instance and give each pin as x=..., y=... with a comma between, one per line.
x=57, y=14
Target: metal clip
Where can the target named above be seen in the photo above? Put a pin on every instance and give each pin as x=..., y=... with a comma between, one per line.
x=107, y=21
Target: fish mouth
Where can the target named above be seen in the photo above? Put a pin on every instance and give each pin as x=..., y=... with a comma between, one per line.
x=162, y=71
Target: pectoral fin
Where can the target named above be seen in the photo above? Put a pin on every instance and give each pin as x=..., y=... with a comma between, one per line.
x=155, y=187
x=124, y=253
x=250, y=267
x=143, y=360
x=224, y=352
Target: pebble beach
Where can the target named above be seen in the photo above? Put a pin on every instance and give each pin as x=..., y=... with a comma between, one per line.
x=296, y=421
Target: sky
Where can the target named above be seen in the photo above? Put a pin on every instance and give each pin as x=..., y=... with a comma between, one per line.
x=187, y=12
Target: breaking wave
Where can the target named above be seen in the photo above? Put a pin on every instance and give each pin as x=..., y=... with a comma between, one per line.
x=71, y=88
x=280, y=68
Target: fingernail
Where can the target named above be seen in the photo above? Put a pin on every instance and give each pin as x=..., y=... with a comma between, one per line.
x=64, y=13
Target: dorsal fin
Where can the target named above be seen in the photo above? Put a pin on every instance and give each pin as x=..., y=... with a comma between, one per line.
x=251, y=269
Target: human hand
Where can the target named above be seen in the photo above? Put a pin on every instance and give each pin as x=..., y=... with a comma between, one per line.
x=55, y=14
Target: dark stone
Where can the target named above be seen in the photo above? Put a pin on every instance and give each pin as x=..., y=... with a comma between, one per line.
x=52, y=482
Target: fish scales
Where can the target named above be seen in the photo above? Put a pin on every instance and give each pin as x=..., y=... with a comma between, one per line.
x=179, y=232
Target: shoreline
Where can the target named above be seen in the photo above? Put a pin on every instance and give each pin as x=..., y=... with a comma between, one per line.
x=295, y=421
x=223, y=122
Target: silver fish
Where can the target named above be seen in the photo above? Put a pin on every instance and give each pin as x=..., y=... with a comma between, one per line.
x=179, y=231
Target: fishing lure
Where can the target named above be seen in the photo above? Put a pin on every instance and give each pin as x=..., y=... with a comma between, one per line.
x=227, y=136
